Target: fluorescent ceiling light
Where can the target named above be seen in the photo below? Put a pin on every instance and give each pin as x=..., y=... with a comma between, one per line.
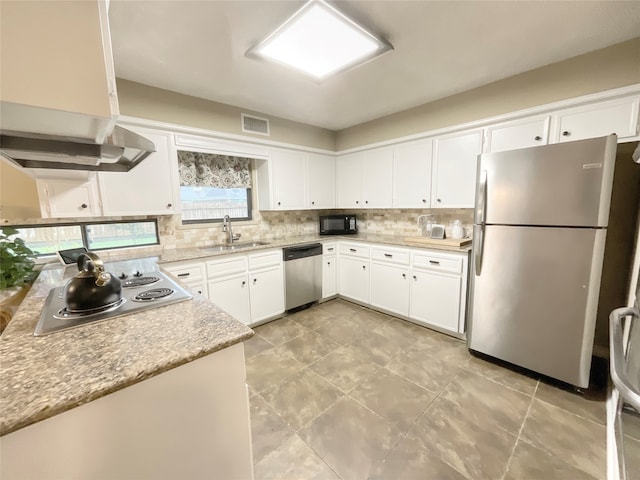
x=320, y=41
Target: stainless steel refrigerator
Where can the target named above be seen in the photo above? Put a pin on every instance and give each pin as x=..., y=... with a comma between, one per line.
x=540, y=228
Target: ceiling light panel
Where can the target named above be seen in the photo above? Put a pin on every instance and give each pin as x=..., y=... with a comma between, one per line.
x=320, y=41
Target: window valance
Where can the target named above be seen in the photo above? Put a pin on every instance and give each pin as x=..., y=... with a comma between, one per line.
x=210, y=170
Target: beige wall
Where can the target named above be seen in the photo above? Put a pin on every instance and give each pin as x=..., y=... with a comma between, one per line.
x=143, y=101
x=18, y=193
x=612, y=67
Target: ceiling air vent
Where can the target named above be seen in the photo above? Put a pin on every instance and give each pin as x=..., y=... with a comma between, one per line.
x=251, y=124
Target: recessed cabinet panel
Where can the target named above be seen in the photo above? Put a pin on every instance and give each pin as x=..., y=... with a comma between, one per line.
x=354, y=278
x=266, y=293
x=530, y=132
x=329, y=276
x=231, y=294
x=614, y=116
x=412, y=174
x=321, y=181
x=148, y=188
x=435, y=299
x=390, y=288
x=69, y=198
x=454, y=169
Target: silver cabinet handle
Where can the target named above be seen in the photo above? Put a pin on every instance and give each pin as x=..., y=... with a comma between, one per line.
x=617, y=366
x=434, y=262
x=388, y=255
x=182, y=275
x=352, y=250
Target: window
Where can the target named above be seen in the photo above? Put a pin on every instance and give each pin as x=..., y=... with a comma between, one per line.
x=212, y=186
x=48, y=239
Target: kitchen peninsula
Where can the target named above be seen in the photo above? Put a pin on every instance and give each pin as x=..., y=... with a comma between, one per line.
x=158, y=394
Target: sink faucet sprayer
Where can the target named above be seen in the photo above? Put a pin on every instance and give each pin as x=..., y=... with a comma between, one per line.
x=226, y=227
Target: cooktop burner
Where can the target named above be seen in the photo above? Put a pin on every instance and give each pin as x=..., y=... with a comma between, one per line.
x=140, y=282
x=56, y=317
x=153, y=294
x=66, y=313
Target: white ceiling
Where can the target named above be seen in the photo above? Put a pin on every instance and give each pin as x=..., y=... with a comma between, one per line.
x=441, y=48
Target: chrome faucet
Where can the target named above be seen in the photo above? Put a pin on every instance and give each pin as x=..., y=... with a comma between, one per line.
x=226, y=227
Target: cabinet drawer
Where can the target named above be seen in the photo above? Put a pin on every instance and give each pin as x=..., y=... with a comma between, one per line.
x=329, y=248
x=354, y=250
x=226, y=266
x=437, y=262
x=265, y=259
x=390, y=255
x=187, y=272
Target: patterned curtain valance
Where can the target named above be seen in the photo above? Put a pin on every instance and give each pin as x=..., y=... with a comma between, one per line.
x=210, y=170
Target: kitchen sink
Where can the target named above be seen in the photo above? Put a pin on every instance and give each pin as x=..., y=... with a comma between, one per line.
x=224, y=247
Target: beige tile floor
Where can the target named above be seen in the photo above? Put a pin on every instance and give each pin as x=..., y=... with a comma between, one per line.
x=339, y=391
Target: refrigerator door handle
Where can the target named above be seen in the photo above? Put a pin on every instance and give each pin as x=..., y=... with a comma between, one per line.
x=478, y=245
x=628, y=392
x=481, y=205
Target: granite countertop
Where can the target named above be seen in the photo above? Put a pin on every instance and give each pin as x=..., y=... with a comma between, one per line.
x=182, y=254
x=43, y=376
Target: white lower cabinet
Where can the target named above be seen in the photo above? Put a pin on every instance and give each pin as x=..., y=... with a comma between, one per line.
x=329, y=270
x=250, y=287
x=353, y=277
x=390, y=288
x=191, y=273
x=435, y=299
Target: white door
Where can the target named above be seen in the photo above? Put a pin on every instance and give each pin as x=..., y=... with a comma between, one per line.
x=390, y=288
x=266, y=294
x=531, y=132
x=329, y=274
x=435, y=299
x=288, y=179
x=69, y=198
x=377, y=171
x=148, y=188
x=349, y=180
x=412, y=175
x=231, y=294
x=321, y=181
x=454, y=169
x=354, y=278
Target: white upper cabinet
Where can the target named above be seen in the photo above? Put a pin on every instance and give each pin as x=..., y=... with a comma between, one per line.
x=281, y=183
x=150, y=188
x=412, y=174
x=455, y=162
x=528, y=132
x=377, y=171
x=618, y=116
x=69, y=197
x=57, y=71
x=364, y=179
x=349, y=180
x=320, y=181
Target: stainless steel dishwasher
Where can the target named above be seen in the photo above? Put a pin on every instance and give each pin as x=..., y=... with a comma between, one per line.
x=302, y=274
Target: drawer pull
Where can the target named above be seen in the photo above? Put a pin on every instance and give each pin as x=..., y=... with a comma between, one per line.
x=330, y=249
x=434, y=262
x=182, y=275
x=388, y=255
x=352, y=250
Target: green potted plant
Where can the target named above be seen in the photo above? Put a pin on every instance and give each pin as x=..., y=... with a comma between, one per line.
x=16, y=260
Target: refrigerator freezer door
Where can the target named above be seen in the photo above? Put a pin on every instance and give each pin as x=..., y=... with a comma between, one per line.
x=534, y=302
x=566, y=184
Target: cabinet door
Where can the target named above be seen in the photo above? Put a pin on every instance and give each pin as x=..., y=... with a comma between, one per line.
x=231, y=294
x=69, y=198
x=530, y=132
x=147, y=189
x=288, y=179
x=266, y=294
x=377, y=171
x=329, y=276
x=390, y=288
x=321, y=181
x=613, y=116
x=354, y=278
x=454, y=169
x=412, y=175
x=349, y=180
x=435, y=299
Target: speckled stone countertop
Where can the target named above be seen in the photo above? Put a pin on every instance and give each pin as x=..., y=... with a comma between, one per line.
x=43, y=376
x=396, y=240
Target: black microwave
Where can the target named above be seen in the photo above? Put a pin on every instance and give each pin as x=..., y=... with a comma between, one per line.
x=338, y=224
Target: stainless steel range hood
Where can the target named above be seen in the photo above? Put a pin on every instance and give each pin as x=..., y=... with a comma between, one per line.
x=120, y=152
